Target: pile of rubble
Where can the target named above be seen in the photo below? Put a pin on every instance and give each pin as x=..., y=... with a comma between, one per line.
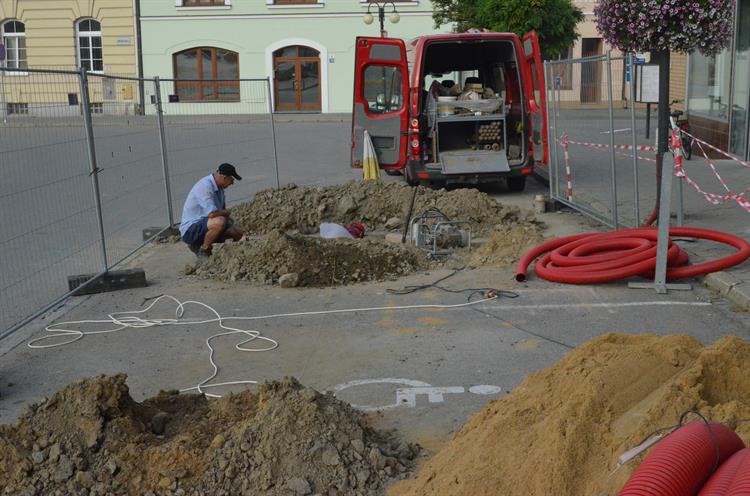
x=92, y=438
x=303, y=209
x=299, y=260
x=282, y=245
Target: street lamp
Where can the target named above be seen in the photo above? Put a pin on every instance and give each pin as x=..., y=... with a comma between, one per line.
x=394, y=17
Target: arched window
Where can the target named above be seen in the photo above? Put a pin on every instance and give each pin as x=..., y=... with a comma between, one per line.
x=14, y=39
x=89, y=36
x=207, y=73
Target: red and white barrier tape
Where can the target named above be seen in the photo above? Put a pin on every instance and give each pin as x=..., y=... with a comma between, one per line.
x=640, y=148
x=712, y=198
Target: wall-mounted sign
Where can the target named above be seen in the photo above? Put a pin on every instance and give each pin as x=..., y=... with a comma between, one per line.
x=124, y=41
x=108, y=89
x=331, y=59
x=647, y=84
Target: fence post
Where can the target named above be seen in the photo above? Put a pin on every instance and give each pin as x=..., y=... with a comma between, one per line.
x=163, y=144
x=91, y=148
x=273, y=131
x=637, y=210
x=612, y=140
x=551, y=128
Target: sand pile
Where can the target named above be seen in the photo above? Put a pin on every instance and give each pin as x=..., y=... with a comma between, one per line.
x=91, y=438
x=561, y=430
x=373, y=203
x=505, y=246
x=310, y=261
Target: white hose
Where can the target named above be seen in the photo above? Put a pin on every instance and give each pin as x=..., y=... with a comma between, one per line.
x=130, y=319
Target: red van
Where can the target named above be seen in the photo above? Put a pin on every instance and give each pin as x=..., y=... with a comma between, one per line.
x=461, y=108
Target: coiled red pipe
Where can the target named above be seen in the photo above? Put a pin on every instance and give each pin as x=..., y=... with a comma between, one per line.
x=614, y=255
x=682, y=462
x=740, y=485
x=722, y=479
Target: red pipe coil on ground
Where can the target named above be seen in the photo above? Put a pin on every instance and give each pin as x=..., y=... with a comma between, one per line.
x=722, y=479
x=680, y=464
x=614, y=255
x=741, y=484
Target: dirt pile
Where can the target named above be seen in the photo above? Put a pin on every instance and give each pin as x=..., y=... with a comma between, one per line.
x=302, y=209
x=310, y=261
x=577, y=417
x=91, y=438
x=506, y=246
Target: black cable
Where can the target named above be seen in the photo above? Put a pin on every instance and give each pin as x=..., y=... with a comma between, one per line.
x=710, y=432
x=484, y=292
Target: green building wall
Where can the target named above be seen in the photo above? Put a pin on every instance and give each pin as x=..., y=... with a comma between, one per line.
x=255, y=29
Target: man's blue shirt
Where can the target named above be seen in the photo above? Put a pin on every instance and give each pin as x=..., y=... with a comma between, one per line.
x=204, y=198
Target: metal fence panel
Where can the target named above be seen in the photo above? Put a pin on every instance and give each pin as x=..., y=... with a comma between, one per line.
x=594, y=127
x=203, y=133
x=129, y=158
x=49, y=215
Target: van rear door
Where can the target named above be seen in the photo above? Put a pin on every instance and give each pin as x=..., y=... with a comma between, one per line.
x=536, y=95
x=381, y=93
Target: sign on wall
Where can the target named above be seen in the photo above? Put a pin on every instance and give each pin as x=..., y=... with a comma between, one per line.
x=647, y=83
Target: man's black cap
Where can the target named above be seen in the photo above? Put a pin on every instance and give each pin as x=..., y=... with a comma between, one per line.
x=228, y=170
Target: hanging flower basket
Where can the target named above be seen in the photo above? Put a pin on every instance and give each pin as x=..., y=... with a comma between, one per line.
x=671, y=25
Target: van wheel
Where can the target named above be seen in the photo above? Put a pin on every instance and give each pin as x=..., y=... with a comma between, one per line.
x=393, y=172
x=516, y=184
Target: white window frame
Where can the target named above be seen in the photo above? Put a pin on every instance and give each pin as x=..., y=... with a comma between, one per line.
x=90, y=35
x=272, y=5
x=180, y=5
x=3, y=36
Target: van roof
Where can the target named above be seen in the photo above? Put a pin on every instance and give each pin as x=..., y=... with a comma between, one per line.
x=460, y=37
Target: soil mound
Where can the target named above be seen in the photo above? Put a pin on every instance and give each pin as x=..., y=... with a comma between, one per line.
x=310, y=261
x=92, y=438
x=371, y=202
x=577, y=417
x=506, y=245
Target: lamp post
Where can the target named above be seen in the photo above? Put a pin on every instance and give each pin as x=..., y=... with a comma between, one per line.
x=394, y=17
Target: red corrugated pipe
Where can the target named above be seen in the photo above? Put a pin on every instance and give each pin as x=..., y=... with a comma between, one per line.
x=724, y=477
x=682, y=462
x=614, y=255
x=740, y=485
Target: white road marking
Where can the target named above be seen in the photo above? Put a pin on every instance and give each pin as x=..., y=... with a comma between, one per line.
x=547, y=306
x=407, y=396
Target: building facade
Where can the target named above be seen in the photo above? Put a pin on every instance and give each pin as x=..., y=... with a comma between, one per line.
x=305, y=47
x=719, y=90
x=98, y=35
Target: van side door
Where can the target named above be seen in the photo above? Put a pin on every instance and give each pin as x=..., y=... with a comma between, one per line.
x=536, y=94
x=381, y=106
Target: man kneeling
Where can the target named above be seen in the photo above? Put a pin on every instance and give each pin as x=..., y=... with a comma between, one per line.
x=205, y=218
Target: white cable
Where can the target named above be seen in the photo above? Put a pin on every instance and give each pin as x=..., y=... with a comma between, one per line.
x=130, y=319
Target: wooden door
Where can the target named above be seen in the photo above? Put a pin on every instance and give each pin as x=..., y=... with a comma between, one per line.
x=297, y=80
x=591, y=72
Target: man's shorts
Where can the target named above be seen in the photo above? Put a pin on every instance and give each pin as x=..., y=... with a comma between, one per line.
x=196, y=233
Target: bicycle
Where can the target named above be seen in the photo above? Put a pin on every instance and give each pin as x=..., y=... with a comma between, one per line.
x=684, y=127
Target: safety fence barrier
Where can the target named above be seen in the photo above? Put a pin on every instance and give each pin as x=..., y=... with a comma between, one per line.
x=713, y=198
x=92, y=160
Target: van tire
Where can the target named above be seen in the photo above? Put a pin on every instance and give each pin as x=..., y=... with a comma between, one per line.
x=393, y=172
x=516, y=184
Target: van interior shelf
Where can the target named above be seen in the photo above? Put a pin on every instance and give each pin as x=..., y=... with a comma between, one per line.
x=470, y=117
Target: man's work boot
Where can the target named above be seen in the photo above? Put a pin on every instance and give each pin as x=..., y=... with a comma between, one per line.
x=194, y=248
